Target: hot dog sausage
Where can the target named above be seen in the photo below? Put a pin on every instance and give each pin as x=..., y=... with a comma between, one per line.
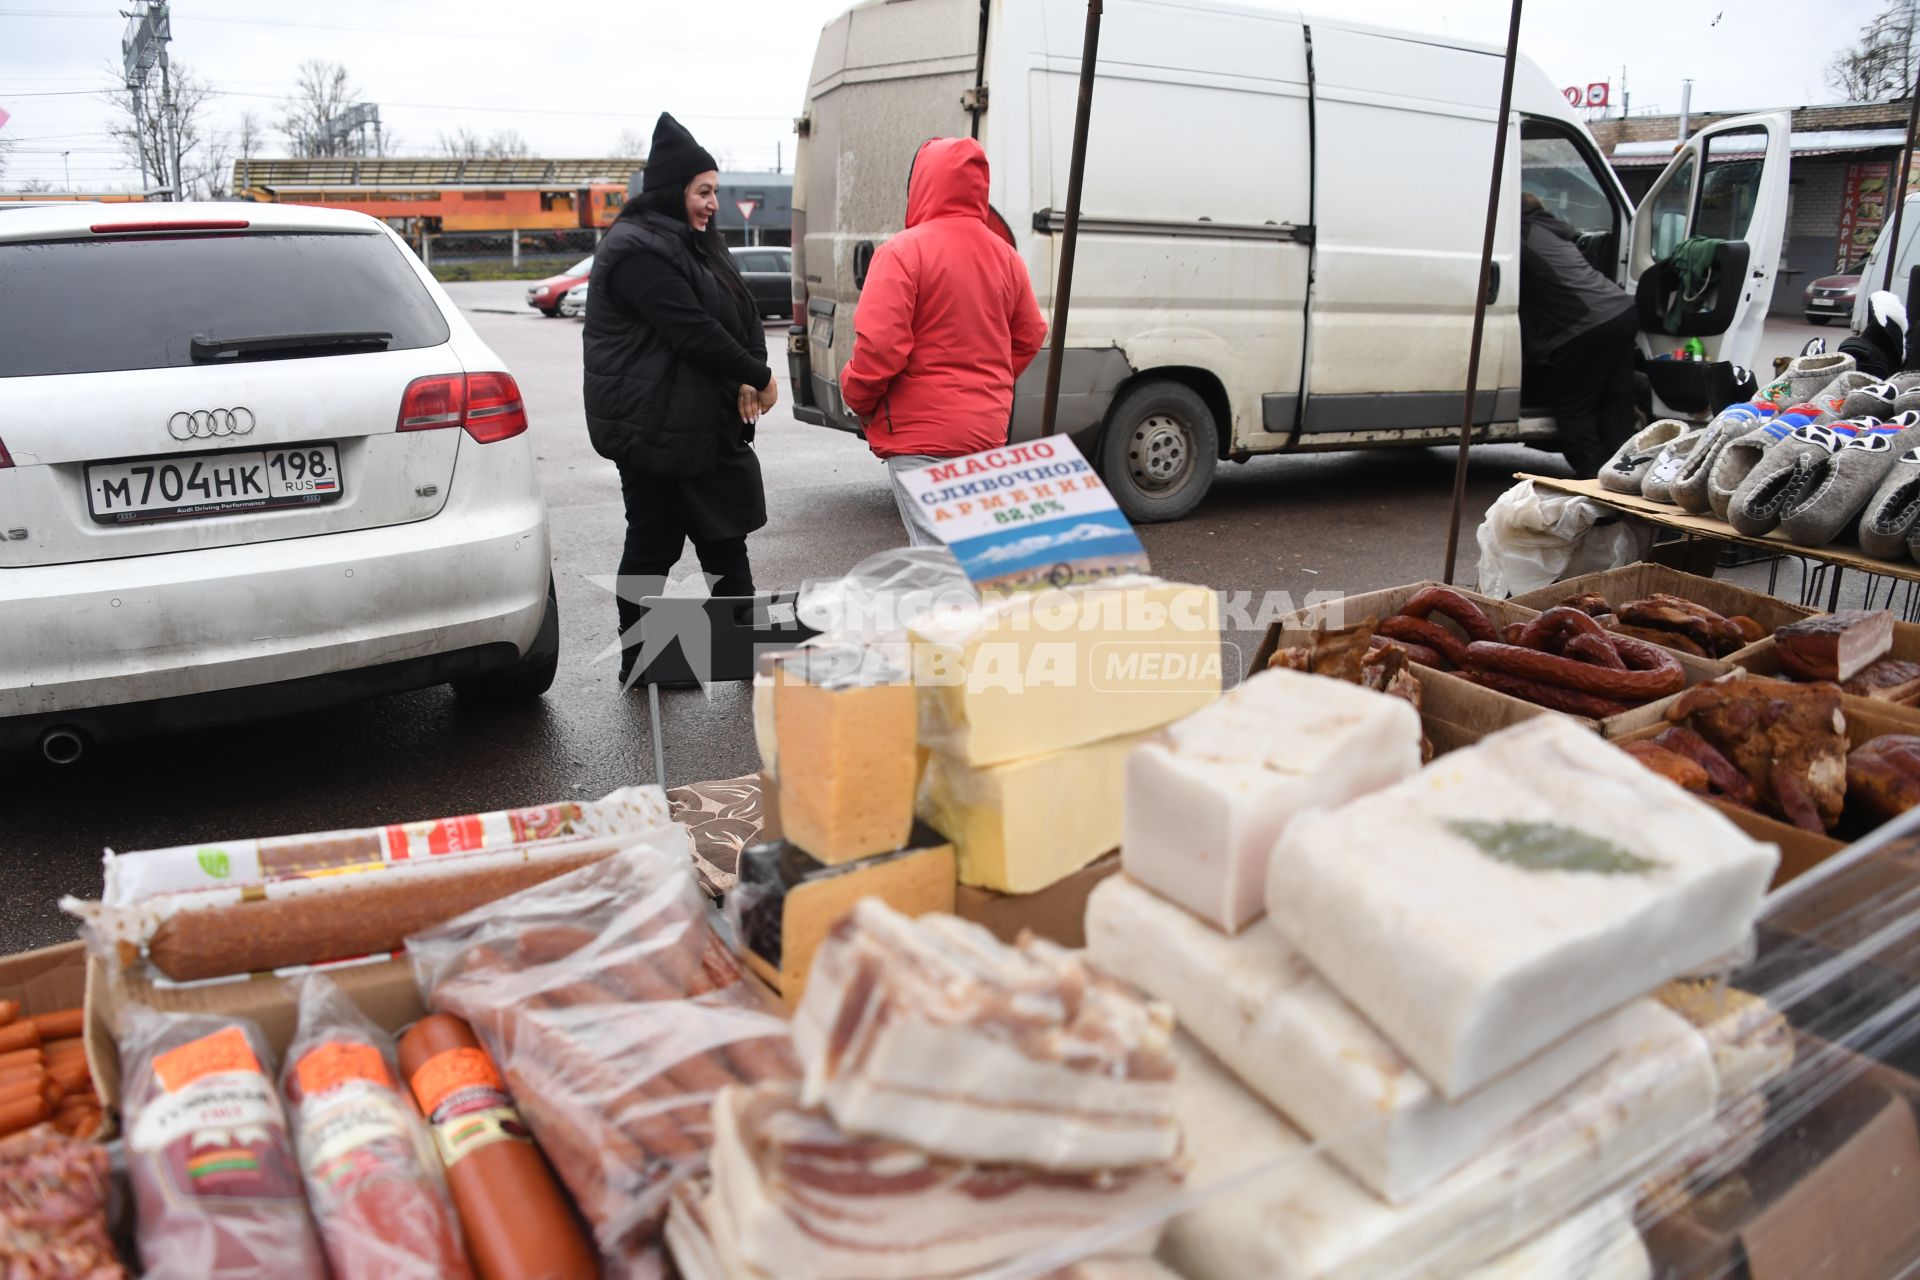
x=519, y=1224
x=64, y=1023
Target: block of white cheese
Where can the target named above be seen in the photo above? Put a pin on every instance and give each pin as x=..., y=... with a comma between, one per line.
x=1039, y=671
x=1262, y=1010
x=935, y=1033
x=1206, y=802
x=1022, y=826
x=1598, y=1243
x=796, y=1198
x=845, y=731
x=1511, y=892
x=1298, y=1216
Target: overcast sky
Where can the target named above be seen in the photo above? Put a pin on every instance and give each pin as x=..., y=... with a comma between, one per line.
x=570, y=77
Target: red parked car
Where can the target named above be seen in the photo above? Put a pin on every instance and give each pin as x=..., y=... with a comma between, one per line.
x=545, y=296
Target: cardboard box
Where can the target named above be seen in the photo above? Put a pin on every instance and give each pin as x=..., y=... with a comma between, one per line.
x=1458, y=713
x=1298, y=628
x=383, y=990
x=1057, y=912
x=1831, y=1193
x=48, y=981
x=1638, y=581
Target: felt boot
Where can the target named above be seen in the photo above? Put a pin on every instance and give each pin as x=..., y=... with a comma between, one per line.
x=1671, y=463
x=1738, y=459
x=1841, y=486
x=1783, y=473
x=1854, y=397
x=1628, y=467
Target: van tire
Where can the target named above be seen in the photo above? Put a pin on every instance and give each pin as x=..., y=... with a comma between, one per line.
x=1158, y=451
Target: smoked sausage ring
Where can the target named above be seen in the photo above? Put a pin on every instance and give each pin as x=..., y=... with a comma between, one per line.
x=1451, y=604
x=1560, y=622
x=1431, y=634
x=1414, y=651
x=1553, y=697
x=1652, y=672
x=1599, y=651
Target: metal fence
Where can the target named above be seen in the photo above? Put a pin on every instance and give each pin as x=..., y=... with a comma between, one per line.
x=557, y=248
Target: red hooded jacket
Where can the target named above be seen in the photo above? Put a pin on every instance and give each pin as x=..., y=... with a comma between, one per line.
x=946, y=321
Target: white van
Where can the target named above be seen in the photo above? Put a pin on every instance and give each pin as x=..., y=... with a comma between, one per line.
x=1873, y=272
x=1281, y=224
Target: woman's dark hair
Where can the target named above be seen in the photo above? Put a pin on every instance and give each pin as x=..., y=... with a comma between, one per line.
x=671, y=202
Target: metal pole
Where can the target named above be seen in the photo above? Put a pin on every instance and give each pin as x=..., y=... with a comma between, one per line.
x=1906, y=163
x=515, y=235
x=1480, y=299
x=1070, y=235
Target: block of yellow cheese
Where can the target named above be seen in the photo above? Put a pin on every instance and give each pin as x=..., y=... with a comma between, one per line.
x=845, y=727
x=1022, y=675
x=1025, y=825
x=787, y=900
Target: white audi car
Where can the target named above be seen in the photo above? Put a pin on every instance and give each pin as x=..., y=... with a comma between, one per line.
x=252, y=461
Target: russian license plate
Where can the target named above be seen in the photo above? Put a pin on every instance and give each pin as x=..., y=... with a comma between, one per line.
x=211, y=484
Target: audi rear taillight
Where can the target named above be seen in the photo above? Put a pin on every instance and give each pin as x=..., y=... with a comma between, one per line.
x=6, y=459
x=486, y=405
x=494, y=411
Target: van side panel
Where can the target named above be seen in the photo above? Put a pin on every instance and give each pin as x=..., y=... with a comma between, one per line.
x=886, y=78
x=1197, y=171
x=1405, y=151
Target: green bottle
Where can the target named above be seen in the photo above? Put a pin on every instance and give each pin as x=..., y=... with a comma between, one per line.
x=1694, y=350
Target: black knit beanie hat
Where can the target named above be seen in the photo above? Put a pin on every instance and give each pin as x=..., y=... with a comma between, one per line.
x=675, y=157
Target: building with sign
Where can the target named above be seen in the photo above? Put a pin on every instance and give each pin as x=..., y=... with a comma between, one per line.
x=1843, y=160
x=755, y=208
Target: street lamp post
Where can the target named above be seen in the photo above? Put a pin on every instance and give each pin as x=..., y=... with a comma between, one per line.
x=66, y=170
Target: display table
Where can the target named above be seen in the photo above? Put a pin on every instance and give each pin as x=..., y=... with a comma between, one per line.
x=1711, y=527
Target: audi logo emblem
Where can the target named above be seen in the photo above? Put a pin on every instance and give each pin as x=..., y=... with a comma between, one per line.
x=204, y=424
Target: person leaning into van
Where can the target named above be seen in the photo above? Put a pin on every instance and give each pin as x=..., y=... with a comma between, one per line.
x=1582, y=327
x=945, y=323
x=676, y=377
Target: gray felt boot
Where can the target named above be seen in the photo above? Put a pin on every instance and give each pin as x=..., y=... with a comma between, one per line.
x=1668, y=467
x=1780, y=476
x=1628, y=468
x=1844, y=483
x=1865, y=398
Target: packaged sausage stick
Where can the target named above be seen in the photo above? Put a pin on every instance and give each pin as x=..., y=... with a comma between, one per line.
x=373, y=1177
x=214, y=1178
x=520, y=1225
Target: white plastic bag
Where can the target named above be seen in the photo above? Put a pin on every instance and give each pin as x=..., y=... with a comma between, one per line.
x=1532, y=539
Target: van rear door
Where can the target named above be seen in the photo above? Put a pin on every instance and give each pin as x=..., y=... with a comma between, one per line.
x=885, y=79
x=1729, y=182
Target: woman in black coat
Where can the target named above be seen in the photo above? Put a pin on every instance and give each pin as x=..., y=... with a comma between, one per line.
x=676, y=377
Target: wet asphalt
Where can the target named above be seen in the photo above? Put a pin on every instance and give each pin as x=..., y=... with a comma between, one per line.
x=1343, y=522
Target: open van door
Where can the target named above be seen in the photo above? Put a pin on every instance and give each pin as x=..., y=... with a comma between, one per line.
x=1728, y=183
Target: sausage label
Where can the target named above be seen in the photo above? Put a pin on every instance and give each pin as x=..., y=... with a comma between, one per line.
x=466, y=1103
x=330, y=1065
x=222, y=1051
x=221, y=1136
x=359, y=1134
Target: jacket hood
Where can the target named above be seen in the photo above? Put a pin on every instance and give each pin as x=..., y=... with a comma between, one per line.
x=949, y=180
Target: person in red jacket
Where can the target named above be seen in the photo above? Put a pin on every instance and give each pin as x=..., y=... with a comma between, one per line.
x=946, y=322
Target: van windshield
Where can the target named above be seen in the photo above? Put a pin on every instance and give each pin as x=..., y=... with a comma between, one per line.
x=117, y=303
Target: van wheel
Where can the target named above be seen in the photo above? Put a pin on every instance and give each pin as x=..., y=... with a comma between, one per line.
x=1158, y=452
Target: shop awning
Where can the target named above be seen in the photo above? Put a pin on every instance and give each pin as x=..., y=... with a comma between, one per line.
x=1813, y=142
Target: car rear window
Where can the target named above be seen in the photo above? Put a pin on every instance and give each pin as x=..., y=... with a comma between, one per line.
x=91, y=306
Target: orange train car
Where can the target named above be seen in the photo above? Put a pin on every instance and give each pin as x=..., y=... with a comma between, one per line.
x=438, y=194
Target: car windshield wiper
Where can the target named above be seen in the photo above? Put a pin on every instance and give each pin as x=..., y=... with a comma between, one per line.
x=270, y=345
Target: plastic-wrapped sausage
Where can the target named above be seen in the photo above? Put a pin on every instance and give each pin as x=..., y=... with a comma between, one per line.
x=373, y=1176
x=214, y=1176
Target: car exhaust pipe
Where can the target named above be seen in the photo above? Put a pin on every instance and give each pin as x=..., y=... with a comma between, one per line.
x=62, y=744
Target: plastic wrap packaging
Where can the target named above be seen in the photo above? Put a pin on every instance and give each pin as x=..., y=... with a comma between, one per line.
x=1531, y=539
x=343, y=895
x=215, y=1181
x=616, y=1012
x=373, y=1178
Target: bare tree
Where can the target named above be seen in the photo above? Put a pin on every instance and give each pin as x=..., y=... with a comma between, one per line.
x=462, y=144
x=35, y=185
x=1882, y=63
x=506, y=144
x=632, y=144
x=250, y=137
x=140, y=131
x=321, y=91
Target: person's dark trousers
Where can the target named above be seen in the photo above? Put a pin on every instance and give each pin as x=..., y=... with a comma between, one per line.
x=658, y=526
x=1592, y=393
